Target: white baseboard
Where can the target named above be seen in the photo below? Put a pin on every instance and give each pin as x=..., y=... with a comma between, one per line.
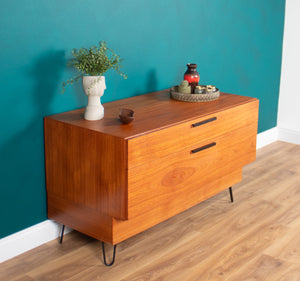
x=288, y=135
x=266, y=137
x=48, y=230
x=29, y=238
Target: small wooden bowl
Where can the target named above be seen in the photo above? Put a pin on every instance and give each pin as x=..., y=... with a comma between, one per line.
x=126, y=115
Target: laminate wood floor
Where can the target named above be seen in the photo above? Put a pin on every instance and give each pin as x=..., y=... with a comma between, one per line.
x=255, y=238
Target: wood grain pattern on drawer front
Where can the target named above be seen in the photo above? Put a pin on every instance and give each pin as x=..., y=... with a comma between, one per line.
x=185, y=177
x=160, y=143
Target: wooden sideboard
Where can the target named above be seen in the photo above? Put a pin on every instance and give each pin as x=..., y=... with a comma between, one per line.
x=112, y=181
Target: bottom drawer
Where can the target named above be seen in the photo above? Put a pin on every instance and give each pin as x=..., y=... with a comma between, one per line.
x=183, y=179
x=123, y=229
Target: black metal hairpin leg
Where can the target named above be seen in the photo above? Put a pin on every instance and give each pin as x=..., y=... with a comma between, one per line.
x=231, y=195
x=62, y=233
x=104, y=257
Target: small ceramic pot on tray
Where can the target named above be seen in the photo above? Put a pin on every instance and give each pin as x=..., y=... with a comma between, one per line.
x=209, y=96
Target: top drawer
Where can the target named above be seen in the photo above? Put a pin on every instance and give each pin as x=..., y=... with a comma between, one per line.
x=173, y=139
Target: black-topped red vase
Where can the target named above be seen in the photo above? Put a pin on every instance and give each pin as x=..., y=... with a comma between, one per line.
x=192, y=76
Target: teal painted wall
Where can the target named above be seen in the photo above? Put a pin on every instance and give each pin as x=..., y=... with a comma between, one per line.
x=236, y=44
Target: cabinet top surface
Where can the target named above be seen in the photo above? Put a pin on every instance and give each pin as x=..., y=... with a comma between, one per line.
x=152, y=112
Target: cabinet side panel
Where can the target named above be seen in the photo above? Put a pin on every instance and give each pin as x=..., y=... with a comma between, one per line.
x=80, y=218
x=86, y=168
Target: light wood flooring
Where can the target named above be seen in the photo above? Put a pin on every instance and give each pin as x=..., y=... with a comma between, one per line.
x=255, y=238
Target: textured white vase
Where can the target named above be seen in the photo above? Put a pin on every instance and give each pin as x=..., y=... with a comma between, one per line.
x=94, y=87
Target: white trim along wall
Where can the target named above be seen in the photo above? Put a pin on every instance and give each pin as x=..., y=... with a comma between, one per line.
x=29, y=238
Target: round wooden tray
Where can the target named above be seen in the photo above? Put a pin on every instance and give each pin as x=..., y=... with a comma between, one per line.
x=193, y=97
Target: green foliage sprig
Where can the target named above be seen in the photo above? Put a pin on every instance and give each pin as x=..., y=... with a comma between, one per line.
x=93, y=61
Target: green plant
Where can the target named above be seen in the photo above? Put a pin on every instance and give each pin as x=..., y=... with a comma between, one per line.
x=93, y=61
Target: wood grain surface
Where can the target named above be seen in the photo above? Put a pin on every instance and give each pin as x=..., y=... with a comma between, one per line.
x=127, y=178
x=153, y=112
x=254, y=238
x=184, y=179
x=163, y=142
x=86, y=168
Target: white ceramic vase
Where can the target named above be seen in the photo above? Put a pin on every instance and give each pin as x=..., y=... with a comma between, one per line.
x=94, y=87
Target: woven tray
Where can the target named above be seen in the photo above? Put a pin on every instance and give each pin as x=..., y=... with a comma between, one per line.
x=193, y=97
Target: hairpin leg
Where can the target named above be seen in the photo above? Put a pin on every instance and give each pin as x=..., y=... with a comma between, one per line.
x=62, y=233
x=104, y=257
x=231, y=195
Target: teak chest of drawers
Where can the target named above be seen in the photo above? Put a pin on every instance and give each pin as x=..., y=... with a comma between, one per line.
x=112, y=181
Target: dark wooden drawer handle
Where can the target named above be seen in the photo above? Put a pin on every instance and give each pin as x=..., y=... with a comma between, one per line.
x=204, y=122
x=203, y=147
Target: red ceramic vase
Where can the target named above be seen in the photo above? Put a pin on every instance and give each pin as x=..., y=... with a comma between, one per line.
x=191, y=75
